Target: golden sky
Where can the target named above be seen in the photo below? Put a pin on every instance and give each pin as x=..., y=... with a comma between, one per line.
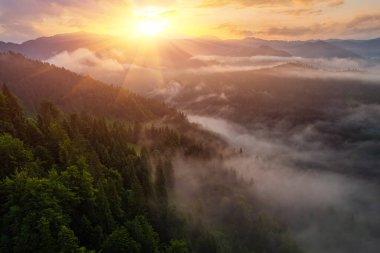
x=272, y=19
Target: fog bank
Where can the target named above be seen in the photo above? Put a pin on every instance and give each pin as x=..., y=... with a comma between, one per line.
x=294, y=178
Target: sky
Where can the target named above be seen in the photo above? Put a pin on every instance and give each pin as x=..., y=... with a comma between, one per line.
x=22, y=20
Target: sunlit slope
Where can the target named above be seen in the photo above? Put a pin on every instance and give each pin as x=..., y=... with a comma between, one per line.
x=175, y=52
x=145, y=52
x=33, y=81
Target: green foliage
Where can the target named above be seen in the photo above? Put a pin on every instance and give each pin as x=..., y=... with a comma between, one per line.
x=177, y=246
x=76, y=184
x=67, y=240
x=161, y=186
x=74, y=92
x=80, y=181
x=11, y=115
x=168, y=139
x=35, y=212
x=144, y=234
x=13, y=155
x=120, y=242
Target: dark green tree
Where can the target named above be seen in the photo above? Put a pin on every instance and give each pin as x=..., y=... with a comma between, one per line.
x=36, y=212
x=143, y=233
x=177, y=246
x=14, y=156
x=161, y=186
x=120, y=242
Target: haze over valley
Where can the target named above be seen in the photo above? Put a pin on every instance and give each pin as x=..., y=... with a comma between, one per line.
x=135, y=131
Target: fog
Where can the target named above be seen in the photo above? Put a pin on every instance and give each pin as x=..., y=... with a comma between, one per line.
x=142, y=79
x=334, y=64
x=338, y=68
x=84, y=61
x=295, y=179
x=106, y=68
x=320, y=178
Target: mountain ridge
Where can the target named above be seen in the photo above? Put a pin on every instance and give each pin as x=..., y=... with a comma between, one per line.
x=174, y=51
x=33, y=81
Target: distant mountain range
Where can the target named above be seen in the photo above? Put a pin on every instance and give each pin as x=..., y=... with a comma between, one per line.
x=367, y=48
x=179, y=52
x=314, y=49
x=125, y=51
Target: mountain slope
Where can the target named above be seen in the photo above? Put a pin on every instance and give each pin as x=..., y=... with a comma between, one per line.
x=202, y=46
x=178, y=53
x=98, y=185
x=33, y=81
x=308, y=49
x=368, y=48
x=147, y=54
x=170, y=51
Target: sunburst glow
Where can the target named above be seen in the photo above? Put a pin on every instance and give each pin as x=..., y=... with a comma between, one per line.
x=152, y=27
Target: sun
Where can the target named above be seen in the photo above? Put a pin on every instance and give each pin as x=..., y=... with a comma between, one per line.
x=152, y=27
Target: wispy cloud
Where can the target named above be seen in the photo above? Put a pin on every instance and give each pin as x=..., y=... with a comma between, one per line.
x=107, y=69
x=335, y=68
x=359, y=25
x=234, y=29
x=301, y=11
x=264, y=3
x=84, y=61
x=25, y=19
x=363, y=23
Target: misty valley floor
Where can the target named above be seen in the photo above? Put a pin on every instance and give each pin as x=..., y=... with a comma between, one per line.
x=200, y=145
x=326, y=210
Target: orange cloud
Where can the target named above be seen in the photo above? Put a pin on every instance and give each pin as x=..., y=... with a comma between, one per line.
x=268, y=3
x=307, y=19
x=23, y=19
x=300, y=12
x=359, y=25
x=234, y=30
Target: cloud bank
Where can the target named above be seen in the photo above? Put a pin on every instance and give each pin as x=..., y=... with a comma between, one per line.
x=84, y=61
x=26, y=19
x=359, y=25
x=302, y=181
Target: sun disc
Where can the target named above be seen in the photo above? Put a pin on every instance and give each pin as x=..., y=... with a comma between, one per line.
x=152, y=27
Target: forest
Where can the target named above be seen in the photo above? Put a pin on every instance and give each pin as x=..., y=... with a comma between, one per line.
x=76, y=182
x=203, y=126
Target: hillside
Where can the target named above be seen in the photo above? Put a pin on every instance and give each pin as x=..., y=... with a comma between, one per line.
x=33, y=81
x=341, y=108
x=178, y=52
x=368, y=48
x=308, y=49
x=153, y=55
x=90, y=183
x=172, y=52
x=201, y=46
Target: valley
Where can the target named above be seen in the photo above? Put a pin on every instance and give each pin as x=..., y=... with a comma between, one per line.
x=189, y=126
